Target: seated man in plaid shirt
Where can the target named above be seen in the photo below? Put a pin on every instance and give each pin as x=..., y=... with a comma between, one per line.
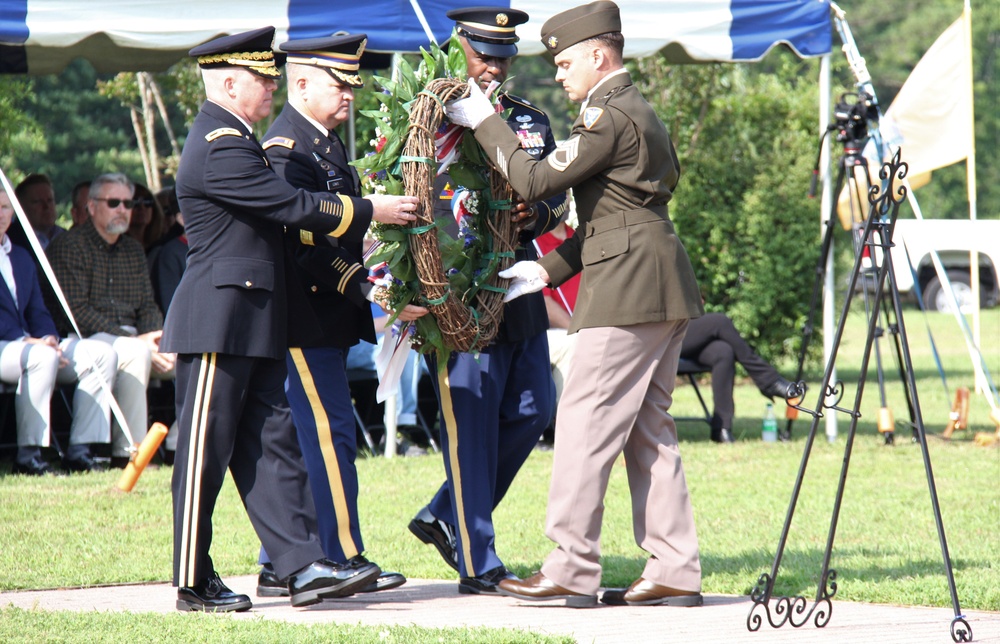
x=102, y=272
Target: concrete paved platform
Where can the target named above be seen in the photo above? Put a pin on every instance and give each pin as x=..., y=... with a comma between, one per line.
x=436, y=603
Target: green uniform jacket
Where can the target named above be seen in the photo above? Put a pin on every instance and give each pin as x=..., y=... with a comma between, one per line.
x=622, y=167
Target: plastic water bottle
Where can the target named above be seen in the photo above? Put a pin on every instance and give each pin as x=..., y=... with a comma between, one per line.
x=769, y=431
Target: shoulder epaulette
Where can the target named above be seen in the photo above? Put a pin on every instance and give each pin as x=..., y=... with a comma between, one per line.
x=222, y=131
x=283, y=141
x=524, y=102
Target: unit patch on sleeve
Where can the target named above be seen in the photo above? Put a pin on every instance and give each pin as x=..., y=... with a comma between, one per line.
x=591, y=115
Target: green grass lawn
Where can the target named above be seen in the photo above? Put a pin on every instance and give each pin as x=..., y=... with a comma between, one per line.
x=79, y=531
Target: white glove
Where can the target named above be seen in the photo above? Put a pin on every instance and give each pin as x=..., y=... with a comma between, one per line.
x=470, y=112
x=526, y=277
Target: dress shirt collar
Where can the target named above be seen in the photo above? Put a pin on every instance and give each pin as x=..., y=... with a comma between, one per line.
x=235, y=115
x=325, y=132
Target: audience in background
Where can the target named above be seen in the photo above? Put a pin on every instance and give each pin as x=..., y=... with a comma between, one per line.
x=146, y=224
x=79, y=197
x=38, y=199
x=103, y=273
x=167, y=261
x=33, y=357
x=167, y=198
x=362, y=356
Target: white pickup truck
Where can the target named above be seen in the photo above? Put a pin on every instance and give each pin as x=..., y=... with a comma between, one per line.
x=952, y=239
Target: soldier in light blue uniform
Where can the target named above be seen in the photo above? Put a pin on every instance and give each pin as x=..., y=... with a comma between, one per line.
x=500, y=401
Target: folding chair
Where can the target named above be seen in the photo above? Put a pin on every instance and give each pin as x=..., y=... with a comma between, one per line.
x=692, y=369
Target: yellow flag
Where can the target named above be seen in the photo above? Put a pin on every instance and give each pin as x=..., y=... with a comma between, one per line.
x=931, y=118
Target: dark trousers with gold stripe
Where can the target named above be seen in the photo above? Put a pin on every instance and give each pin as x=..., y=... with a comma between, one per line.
x=494, y=408
x=232, y=413
x=320, y=399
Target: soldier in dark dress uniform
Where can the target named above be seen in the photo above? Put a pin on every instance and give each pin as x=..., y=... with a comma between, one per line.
x=501, y=400
x=637, y=293
x=227, y=323
x=331, y=312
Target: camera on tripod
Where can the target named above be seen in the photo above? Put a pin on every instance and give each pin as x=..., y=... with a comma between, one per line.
x=852, y=115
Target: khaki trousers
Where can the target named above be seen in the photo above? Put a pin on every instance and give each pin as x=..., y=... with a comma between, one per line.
x=616, y=401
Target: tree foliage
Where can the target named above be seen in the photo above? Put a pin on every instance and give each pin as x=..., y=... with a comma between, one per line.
x=746, y=141
x=20, y=130
x=80, y=133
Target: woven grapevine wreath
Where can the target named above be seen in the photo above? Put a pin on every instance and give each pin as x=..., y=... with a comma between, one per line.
x=454, y=277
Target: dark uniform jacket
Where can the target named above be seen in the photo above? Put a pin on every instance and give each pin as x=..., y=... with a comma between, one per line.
x=622, y=167
x=524, y=317
x=330, y=280
x=232, y=297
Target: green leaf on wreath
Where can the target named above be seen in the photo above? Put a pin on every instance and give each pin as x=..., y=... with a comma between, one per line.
x=404, y=268
x=457, y=63
x=393, y=186
x=467, y=176
x=471, y=152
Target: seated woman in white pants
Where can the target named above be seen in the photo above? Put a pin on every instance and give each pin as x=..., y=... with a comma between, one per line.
x=34, y=358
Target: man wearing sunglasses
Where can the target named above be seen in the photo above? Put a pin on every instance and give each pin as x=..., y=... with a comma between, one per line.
x=102, y=272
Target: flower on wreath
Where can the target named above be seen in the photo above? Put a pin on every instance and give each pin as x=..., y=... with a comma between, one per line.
x=467, y=259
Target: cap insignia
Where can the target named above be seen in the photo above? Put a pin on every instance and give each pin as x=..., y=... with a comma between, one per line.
x=502, y=19
x=553, y=42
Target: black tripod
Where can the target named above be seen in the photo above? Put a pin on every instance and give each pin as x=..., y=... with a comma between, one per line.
x=877, y=233
x=851, y=126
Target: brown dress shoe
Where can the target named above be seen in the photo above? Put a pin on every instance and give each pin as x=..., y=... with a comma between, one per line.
x=539, y=588
x=643, y=592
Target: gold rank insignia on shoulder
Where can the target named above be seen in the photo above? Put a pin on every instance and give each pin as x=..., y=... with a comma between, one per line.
x=222, y=131
x=306, y=238
x=591, y=115
x=283, y=141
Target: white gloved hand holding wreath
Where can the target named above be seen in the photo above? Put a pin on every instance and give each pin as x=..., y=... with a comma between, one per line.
x=525, y=277
x=471, y=111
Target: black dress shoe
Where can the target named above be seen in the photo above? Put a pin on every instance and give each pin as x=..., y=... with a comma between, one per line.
x=82, y=463
x=722, y=436
x=780, y=388
x=325, y=579
x=119, y=462
x=210, y=595
x=269, y=584
x=385, y=581
x=33, y=468
x=431, y=530
x=485, y=583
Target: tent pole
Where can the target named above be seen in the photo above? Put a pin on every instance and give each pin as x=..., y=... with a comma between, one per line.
x=826, y=212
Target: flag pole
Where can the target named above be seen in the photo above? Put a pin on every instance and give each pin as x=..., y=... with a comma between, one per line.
x=970, y=182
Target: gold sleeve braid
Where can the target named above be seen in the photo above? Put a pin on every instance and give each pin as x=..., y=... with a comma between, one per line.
x=344, y=209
